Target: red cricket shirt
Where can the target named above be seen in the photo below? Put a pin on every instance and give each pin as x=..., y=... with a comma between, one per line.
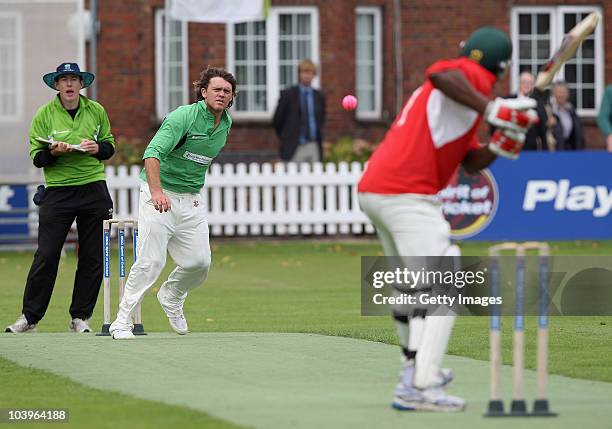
x=429, y=138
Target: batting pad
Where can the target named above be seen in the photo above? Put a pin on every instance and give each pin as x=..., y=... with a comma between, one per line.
x=431, y=351
x=434, y=341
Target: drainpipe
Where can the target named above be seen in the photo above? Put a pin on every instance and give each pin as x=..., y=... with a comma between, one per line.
x=399, y=70
x=93, y=47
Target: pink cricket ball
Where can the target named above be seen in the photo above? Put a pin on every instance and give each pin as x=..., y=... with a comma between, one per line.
x=349, y=102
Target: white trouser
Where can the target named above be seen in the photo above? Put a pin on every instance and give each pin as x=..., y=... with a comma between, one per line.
x=413, y=225
x=407, y=224
x=182, y=231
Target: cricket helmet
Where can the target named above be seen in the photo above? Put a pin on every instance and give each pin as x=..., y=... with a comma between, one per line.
x=489, y=47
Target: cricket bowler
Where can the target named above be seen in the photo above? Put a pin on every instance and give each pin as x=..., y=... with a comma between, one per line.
x=172, y=216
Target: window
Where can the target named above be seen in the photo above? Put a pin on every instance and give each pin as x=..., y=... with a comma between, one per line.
x=264, y=56
x=537, y=32
x=368, y=62
x=11, y=70
x=171, y=64
x=250, y=66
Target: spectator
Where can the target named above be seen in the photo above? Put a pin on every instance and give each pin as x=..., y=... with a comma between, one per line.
x=604, y=120
x=81, y=138
x=299, y=118
x=567, y=130
x=536, y=137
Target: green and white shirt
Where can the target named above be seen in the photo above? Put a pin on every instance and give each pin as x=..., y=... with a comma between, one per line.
x=53, y=122
x=183, y=169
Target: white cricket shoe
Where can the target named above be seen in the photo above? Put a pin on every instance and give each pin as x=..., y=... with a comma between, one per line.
x=122, y=335
x=444, y=378
x=120, y=331
x=21, y=325
x=437, y=399
x=406, y=396
x=431, y=399
x=405, y=379
x=409, y=398
x=179, y=324
x=79, y=325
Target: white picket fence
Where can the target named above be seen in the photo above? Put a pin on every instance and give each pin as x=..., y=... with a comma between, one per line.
x=265, y=199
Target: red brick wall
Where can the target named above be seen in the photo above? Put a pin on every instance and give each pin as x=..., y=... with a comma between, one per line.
x=126, y=66
x=431, y=30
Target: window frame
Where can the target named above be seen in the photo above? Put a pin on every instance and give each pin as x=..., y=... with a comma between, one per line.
x=272, y=58
x=556, y=14
x=162, y=107
x=19, y=68
x=376, y=113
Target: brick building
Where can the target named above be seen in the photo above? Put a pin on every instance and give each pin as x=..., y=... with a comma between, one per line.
x=353, y=41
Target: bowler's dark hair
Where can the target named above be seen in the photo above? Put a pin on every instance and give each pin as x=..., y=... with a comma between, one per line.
x=205, y=77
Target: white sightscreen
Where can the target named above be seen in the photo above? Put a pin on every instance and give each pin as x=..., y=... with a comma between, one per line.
x=35, y=37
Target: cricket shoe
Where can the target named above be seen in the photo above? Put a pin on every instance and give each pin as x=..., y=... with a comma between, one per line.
x=177, y=322
x=445, y=377
x=122, y=335
x=432, y=399
x=405, y=379
x=437, y=399
x=406, y=395
x=79, y=325
x=407, y=398
x=119, y=331
x=21, y=325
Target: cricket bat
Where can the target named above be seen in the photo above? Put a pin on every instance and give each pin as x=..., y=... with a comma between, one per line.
x=568, y=48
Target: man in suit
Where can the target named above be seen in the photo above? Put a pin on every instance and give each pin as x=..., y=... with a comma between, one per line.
x=536, y=137
x=567, y=129
x=299, y=118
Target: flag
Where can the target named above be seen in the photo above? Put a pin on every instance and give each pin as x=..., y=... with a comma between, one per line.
x=224, y=11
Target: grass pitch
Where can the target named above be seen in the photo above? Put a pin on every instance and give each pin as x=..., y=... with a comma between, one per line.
x=276, y=287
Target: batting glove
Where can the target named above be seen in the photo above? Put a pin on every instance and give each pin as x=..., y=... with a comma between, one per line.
x=507, y=143
x=514, y=114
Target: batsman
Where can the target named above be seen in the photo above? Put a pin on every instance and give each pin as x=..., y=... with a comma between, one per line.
x=432, y=135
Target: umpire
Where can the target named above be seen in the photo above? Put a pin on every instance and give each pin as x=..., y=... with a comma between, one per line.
x=80, y=138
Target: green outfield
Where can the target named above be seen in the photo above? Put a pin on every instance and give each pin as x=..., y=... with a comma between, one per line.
x=246, y=364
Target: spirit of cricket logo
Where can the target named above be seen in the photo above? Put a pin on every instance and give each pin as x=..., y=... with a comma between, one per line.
x=106, y=243
x=518, y=407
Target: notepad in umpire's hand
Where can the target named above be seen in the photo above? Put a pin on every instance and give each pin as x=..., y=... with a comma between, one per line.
x=51, y=142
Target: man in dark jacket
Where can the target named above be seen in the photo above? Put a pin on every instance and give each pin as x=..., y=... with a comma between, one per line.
x=567, y=129
x=535, y=139
x=299, y=118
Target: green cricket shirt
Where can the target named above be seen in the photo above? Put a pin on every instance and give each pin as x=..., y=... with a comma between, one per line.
x=53, y=122
x=183, y=169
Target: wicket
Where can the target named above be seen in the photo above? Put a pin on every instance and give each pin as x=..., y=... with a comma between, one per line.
x=518, y=406
x=107, y=225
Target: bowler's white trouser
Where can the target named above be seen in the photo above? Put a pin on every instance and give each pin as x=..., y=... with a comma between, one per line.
x=413, y=225
x=182, y=231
